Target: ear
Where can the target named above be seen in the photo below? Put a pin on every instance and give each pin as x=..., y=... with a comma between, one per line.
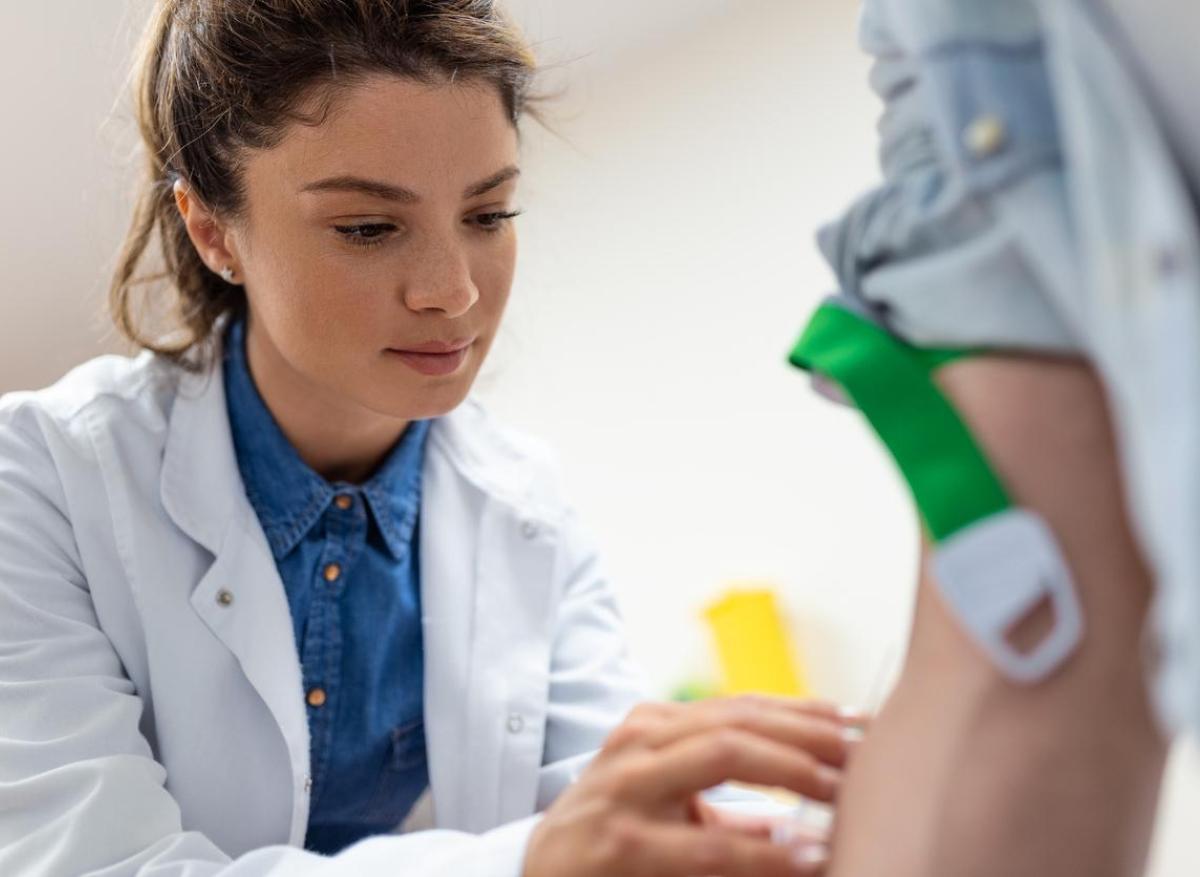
x=211, y=238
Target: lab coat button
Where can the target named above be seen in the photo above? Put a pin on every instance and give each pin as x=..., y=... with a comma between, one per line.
x=307, y=785
x=516, y=723
x=1168, y=261
x=985, y=136
x=530, y=529
x=224, y=597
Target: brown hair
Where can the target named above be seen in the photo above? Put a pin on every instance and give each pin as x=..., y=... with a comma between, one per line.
x=216, y=77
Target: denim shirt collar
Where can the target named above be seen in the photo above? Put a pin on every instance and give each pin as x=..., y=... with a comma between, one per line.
x=287, y=495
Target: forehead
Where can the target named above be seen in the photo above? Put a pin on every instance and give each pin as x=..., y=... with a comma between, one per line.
x=424, y=136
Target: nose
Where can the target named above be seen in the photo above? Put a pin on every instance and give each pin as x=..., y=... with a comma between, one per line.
x=441, y=281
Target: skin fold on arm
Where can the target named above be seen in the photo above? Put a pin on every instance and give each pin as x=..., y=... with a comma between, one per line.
x=966, y=774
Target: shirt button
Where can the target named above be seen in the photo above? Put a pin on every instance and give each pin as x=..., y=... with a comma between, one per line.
x=985, y=136
x=344, y=502
x=224, y=597
x=516, y=723
x=530, y=529
x=316, y=697
x=333, y=572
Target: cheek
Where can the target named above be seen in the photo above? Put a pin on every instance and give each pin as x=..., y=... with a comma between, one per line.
x=494, y=278
x=311, y=284
x=314, y=307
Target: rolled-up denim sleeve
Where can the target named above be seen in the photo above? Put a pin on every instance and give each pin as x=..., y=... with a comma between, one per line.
x=939, y=252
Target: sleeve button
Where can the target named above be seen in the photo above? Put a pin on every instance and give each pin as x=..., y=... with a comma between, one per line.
x=985, y=136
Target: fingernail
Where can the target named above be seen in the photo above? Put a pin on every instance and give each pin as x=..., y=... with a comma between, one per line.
x=789, y=832
x=852, y=715
x=830, y=777
x=853, y=736
x=810, y=858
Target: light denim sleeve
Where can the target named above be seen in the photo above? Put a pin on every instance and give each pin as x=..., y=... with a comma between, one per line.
x=1035, y=198
x=1138, y=245
x=1161, y=39
x=937, y=251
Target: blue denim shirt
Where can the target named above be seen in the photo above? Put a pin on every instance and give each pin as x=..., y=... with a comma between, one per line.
x=347, y=555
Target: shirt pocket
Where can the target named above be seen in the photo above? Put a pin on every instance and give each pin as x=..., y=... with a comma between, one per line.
x=403, y=776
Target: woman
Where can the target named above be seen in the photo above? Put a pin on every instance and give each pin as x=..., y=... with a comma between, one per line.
x=269, y=583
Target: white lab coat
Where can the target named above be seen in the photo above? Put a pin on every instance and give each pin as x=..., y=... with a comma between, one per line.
x=152, y=717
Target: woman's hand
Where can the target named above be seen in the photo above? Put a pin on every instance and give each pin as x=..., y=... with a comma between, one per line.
x=636, y=809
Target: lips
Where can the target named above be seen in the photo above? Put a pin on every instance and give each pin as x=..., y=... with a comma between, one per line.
x=435, y=347
x=434, y=358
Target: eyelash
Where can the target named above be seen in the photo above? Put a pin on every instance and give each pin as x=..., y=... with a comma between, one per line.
x=370, y=234
x=357, y=234
x=500, y=217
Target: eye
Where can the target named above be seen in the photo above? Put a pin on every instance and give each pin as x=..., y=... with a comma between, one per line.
x=365, y=235
x=492, y=222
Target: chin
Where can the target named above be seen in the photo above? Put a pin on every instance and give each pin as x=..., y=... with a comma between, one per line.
x=422, y=403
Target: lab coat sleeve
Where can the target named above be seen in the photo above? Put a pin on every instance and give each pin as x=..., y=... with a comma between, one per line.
x=593, y=681
x=81, y=794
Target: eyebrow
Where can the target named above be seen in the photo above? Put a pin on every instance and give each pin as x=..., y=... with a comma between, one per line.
x=389, y=192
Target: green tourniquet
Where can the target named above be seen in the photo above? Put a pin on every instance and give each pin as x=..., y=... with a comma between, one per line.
x=891, y=383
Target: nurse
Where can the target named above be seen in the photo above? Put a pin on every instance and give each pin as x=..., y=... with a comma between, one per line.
x=273, y=589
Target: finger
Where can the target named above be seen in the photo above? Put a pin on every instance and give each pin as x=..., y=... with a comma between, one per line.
x=674, y=773
x=792, y=832
x=822, y=709
x=817, y=707
x=807, y=705
x=641, y=722
x=784, y=830
x=716, y=818
x=673, y=850
x=826, y=740
x=813, y=859
x=847, y=716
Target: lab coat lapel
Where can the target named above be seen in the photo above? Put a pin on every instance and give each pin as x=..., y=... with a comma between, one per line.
x=241, y=598
x=484, y=591
x=449, y=560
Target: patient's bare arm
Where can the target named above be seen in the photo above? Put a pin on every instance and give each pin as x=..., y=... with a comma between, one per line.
x=968, y=775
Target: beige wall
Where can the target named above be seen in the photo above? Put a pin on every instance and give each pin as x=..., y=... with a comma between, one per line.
x=65, y=170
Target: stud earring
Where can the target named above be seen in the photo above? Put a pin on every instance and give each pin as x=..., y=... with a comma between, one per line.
x=227, y=274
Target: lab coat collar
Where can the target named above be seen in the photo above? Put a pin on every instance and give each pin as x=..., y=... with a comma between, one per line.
x=201, y=488
x=200, y=485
